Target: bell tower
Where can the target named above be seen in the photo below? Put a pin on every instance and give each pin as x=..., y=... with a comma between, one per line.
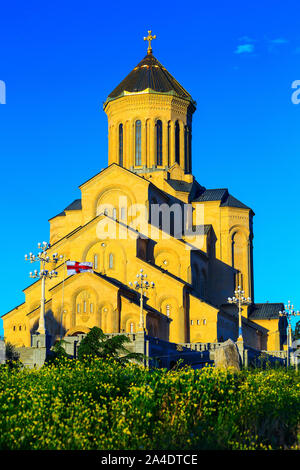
x=150, y=119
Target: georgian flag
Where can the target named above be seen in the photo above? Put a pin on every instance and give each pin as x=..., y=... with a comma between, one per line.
x=73, y=267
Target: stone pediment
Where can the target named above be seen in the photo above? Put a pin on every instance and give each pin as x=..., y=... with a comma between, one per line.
x=112, y=172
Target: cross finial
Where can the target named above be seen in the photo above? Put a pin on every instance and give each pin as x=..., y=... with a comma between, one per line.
x=149, y=38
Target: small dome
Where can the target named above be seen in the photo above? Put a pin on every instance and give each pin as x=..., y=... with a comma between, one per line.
x=149, y=74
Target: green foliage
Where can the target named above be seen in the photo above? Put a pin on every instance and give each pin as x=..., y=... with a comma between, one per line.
x=97, y=344
x=11, y=352
x=58, y=352
x=104, y=404
x=296, y=333
x=12, y=356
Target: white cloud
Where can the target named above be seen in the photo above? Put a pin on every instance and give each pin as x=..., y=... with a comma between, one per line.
x=279, y=41
x=244, y=48
x=246, y=39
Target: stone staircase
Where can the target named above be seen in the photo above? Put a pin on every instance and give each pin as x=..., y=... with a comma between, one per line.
x=32, y=357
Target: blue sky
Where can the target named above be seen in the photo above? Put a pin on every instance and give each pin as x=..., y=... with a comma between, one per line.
x=238, y=60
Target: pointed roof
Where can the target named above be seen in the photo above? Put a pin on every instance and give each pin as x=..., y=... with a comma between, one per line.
x=150, y=75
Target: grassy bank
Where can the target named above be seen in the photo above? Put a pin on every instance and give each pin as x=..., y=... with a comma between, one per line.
x=100, y=404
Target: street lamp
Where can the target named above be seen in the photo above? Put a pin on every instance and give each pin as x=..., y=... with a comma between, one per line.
x=142, y=285
x=43, y=258
x=288, y=313
x=240, y=300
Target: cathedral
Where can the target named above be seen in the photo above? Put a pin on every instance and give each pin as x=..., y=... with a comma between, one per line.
x=168, y=256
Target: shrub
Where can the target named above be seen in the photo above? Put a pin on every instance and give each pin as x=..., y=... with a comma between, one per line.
x=97, y=344
x=101, y=403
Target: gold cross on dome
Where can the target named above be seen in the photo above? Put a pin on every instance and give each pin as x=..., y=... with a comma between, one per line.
x=149, y=38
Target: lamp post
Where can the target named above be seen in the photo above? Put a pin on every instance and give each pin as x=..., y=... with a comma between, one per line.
x=288, y=313
x=142, y=285
x=43, y=258
x=240, y=300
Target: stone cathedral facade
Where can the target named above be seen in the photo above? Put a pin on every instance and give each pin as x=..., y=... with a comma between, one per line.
x=146, y=211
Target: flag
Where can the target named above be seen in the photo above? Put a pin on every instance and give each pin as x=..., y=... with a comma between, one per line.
x=74, y=267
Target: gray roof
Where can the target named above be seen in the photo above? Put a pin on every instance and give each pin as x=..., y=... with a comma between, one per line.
x=212, y=195
x=179, y=185
x=202, y=229
x=222, y=195
x=233, y=202
x=74, y=206
x=265, y=311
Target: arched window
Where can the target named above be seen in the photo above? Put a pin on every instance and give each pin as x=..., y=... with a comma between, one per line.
x=131, y=327
x=121, y=144
x=85, y=303
x=177, y=143
x=188, y=148
x=123, y=213
x=239, y=256
x=114, y=213
x=169, y=127
x=138, y=146
x=95, y=262
x=111, y=261
x=159, y=143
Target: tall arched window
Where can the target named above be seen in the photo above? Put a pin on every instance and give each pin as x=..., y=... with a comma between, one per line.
x=159, y=143
x=189, y=145
x=121, y=144
x=186, y=149
x=168, y=136
x=111, y=261
x=168, y=310
x=177, y=142
x=138, y=146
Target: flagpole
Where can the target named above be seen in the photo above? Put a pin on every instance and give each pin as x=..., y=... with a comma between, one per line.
x=62, y=300
x=78, y=267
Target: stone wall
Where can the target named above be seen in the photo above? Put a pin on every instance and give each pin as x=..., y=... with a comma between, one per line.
x=158, y=353
x=2, y=352
x=32, y=357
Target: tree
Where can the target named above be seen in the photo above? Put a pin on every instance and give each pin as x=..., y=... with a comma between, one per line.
x=96, y=343
x=58, y=352
x=12, y=355
x=297, y=331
